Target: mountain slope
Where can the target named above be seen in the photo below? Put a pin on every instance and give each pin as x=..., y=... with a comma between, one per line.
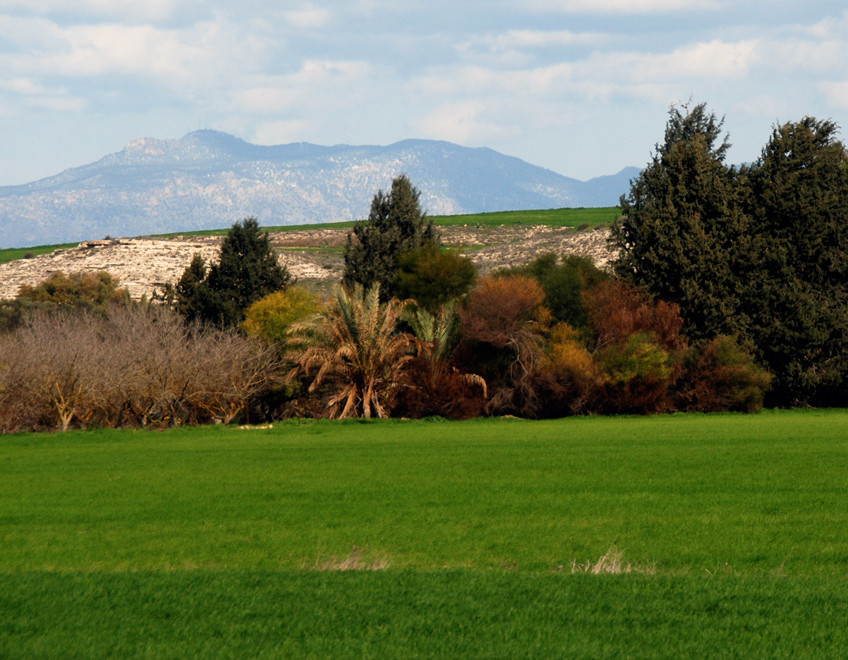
x=209, y=180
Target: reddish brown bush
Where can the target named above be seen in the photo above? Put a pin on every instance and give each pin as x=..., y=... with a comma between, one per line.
x=723, y=376
x=638, y=345
x=503, y=322
x=617, y=311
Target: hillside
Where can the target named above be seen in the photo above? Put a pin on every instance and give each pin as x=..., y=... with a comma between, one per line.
x=209, y=179
x=313, y=256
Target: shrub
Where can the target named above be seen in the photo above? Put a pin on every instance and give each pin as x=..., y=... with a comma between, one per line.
x=88, y=290
x=638, y=374
x=137, y=367
x=432, y=276
x=503, y=321
x=616, y=311
x=564, y=284
x=722, y=375
x=270, y=318
x=571, y=366
x=638, y=344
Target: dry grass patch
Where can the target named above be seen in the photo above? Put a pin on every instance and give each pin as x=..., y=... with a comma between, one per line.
x=355, y=561
x=611, y=563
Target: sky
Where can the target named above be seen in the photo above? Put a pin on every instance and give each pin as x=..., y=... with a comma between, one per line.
x=580, y=87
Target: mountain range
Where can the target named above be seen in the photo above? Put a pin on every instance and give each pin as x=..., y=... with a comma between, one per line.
x=209, y=179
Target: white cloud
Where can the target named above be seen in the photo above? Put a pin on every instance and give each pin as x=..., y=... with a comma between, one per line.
x=836, y=93
x=536, y=39
x=281, y=131
x=307, y=17
x=133, y=11
x=620, y=6
x=462, y=123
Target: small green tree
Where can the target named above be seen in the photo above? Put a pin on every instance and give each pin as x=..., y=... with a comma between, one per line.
x=247, y=269
x=396, y=225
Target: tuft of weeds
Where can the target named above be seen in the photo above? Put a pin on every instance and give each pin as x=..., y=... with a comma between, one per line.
x=355, y=561
x=611, y=563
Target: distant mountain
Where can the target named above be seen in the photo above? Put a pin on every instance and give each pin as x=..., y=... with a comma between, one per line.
x=209, y=180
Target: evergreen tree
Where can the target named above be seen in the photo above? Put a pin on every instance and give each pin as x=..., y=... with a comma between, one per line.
x=683, y=235
x=396, y=225
x=247, y=270
x=798, y=295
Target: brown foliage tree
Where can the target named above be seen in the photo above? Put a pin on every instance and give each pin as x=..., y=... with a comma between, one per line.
x=503, y=322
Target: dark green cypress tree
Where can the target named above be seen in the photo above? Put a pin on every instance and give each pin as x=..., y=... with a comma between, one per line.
x=247, y=270
x=797, y=297
x=395, y=225
x=683, y=235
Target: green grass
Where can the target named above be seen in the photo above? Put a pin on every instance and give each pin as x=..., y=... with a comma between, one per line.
x=592, y=217
x=11, y=254
x=225, y=542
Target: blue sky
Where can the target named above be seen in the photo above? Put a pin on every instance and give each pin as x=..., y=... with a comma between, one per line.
x=582, y=88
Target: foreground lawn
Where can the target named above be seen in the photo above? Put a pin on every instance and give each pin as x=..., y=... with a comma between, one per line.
x=228, y=542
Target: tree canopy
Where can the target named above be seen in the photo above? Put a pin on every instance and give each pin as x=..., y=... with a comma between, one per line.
x=395, y=225
x=247, y=269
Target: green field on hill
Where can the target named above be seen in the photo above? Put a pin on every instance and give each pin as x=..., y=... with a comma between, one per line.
x=579, y=217
x=715, y=536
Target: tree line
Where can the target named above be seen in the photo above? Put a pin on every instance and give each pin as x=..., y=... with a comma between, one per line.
x=727, y=294
x=758, y=252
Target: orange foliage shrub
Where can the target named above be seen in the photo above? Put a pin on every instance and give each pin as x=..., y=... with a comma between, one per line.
x=500, y=310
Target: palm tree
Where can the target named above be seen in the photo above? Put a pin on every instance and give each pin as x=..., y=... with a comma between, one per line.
x=354, y=347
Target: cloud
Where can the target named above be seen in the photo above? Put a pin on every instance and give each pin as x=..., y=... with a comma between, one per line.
x=462, y=123
x=307, y=17
x=836, y=93
x=620, y=6
x=124, y=11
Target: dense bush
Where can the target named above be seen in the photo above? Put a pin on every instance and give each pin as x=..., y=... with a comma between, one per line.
x=564, y=283
x=86, y=290
x=503, y=325
x=433, y=276
x=722, y=375
x=135, y=367
x=270, y=318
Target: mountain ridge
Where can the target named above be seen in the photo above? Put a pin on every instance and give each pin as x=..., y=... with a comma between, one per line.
x=209, y=179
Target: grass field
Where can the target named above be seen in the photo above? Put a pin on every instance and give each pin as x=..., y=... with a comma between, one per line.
x=591, y=217
x=428, y=539
x=11, y=254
